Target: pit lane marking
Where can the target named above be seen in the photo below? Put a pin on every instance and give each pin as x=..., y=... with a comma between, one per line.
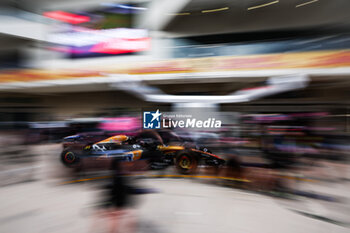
x=162, y=176
x=188, y=176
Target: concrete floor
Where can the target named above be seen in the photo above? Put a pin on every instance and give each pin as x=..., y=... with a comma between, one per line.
x=179, y=206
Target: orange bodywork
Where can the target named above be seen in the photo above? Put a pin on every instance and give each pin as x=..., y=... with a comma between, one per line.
x=170, y=149
x=118, y=139
x=137, y=154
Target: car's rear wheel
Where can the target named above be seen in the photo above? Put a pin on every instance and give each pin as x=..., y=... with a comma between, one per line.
x=69, y=158
x=186, y=163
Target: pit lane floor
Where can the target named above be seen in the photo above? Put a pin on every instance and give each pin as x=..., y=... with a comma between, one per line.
x=180, y=206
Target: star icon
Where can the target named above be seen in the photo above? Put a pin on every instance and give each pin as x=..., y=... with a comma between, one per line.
x=156, y=115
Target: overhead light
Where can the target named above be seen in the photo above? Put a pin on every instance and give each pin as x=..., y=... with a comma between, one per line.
x=306, y=3
x=124, y=6
x=215, y=10
x=263, y=5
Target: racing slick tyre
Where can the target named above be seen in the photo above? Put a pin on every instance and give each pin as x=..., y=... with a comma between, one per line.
x=69, y=158
x=186, y=162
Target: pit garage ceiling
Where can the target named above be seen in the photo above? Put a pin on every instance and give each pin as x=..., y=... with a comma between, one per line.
x=197, y=17
x=203, y=17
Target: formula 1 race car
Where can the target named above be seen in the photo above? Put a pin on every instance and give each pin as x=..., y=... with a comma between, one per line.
x=185, y=157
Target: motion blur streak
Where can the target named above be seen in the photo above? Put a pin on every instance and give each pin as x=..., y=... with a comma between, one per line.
x=163, y=116
x=67, y=17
